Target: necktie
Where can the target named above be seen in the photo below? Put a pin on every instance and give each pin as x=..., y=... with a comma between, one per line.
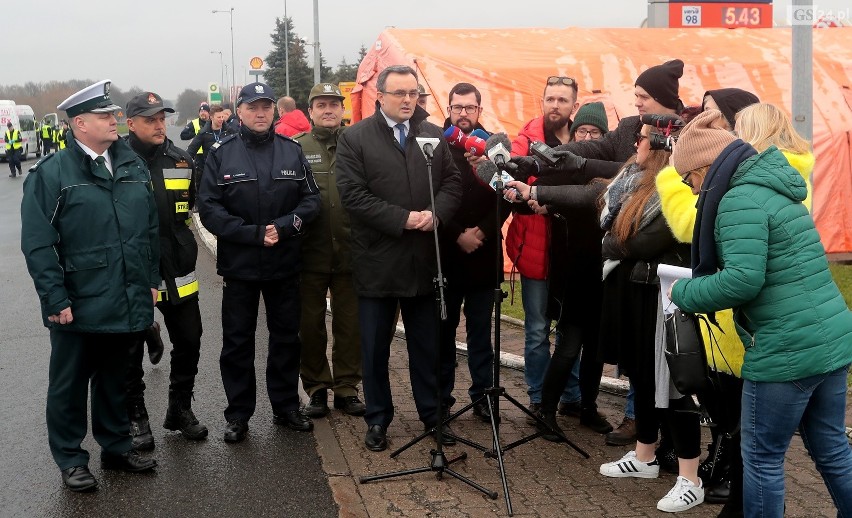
x=101, y=161
x=401, y=129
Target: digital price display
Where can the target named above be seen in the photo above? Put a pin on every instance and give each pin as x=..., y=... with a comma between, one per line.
x=728, y=15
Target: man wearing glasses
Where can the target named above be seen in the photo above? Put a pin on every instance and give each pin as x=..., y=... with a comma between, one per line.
x=469, y=251
x=384, y=186
x=528, y=240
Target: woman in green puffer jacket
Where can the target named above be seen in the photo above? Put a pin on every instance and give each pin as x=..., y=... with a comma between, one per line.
x=755, y=249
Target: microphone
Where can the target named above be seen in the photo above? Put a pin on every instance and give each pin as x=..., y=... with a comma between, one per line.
x=664, y=122
x=478, y=132
x=472, y=144
x=427, y=146
x=498, y=148
x=488, y=174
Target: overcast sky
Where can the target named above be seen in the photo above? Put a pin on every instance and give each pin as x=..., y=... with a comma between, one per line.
x=165, y=45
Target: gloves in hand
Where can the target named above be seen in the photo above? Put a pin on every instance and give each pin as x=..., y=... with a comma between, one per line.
x=526, y=166
x=568, y=161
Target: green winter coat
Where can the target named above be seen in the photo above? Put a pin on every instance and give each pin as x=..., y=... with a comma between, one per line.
x=774, y=273
x=90, y=240
x=325, y=248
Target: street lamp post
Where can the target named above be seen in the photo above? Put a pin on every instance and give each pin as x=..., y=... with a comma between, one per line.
x=286, y=52
x=221, y=66
x=233, y=77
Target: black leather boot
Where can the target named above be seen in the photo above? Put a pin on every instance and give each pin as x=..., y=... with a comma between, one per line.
x=179, y=416
x=714, y=469
x=550, y=419
x=140, y=429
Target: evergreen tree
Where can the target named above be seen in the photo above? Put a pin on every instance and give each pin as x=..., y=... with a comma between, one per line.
x=301, y=74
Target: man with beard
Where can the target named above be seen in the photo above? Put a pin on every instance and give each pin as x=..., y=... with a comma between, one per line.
x=528, y=243
x=469, y=256
x=257, y=192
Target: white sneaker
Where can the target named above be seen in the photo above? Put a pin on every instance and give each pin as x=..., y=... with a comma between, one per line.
x=629, y=466
x=684, y=495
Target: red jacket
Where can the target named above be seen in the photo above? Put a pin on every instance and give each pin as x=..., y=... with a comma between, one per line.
x=291, y=123
x=528, y=237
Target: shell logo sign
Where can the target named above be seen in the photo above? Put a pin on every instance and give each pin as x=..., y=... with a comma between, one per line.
x=256, y=63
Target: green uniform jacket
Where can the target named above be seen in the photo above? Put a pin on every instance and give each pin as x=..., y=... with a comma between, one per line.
x=774, y=273
x=325, y=248
x=90, y=240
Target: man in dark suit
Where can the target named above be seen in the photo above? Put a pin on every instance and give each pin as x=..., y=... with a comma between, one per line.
x=384, y=185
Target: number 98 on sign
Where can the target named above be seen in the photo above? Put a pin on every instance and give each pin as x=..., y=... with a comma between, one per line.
x=691, y=16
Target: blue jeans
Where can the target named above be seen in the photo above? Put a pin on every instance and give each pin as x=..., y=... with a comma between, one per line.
x=770, y=415
x=536, y=340
x=629, y=403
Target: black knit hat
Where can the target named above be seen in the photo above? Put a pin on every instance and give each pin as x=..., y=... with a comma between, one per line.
x=661, y=82
x=730, y=101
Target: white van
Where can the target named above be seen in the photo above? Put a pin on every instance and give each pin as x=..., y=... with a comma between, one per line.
x=22, y=118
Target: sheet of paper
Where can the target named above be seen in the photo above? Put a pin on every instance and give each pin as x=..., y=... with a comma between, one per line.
x=668, y=274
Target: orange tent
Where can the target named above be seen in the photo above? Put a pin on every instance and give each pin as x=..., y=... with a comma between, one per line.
x=509, y=66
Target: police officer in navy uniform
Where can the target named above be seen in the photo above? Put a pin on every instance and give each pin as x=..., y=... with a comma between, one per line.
x=89, y=236
x=172, y=176
x=257, y=192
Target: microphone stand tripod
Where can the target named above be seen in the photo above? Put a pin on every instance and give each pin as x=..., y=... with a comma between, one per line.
x=438, y=463
x=493, y=394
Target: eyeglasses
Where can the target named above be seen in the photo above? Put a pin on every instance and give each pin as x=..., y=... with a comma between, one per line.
x=639, y=138
x=470, y=109
x=401, y=94
x=582, y=132
x=561, y=80
x=686, y=180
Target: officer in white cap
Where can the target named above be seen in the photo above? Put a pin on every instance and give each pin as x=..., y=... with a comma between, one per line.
x=89, y=236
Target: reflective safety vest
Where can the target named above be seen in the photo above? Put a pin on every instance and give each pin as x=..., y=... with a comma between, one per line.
x=196, y=125
x=46, y=132
x=13, y=141
x=178, y=182
x=59, y=137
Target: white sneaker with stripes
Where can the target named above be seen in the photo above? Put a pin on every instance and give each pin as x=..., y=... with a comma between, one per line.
x=629, y=466
x=684, y=495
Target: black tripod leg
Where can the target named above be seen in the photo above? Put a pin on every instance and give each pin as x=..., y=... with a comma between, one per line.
x=498, y=452
x=491, y=494
x=539, y=421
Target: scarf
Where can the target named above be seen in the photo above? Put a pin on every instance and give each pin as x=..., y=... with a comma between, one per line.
x=705, y=261
x=617, y=192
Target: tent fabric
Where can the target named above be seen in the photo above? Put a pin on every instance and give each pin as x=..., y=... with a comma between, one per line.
x=510, y=66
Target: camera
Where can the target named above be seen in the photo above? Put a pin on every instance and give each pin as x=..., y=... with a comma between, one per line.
x=668, y=124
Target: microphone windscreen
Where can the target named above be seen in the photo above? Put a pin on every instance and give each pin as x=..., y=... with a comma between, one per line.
x=496, y=139
x=478, y=132
x=485, y=171
x=452, y=135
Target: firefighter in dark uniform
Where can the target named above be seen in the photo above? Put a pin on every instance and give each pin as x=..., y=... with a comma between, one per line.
x=89, y=236
x=172, y=174
x=257, y=192
x=326, y=270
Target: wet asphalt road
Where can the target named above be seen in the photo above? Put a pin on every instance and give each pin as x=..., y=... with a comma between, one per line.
x=275, y=472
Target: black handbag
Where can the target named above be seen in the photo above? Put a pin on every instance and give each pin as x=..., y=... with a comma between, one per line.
x=685, y=353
